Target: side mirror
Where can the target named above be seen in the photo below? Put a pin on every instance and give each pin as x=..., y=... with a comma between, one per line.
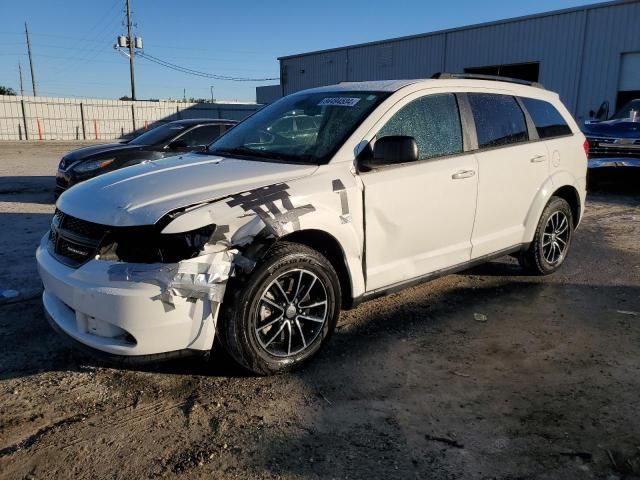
x=391, y=150
x=177, y=144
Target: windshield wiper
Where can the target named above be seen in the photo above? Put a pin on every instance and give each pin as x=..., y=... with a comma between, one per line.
x=244, y=152
x=238, y=151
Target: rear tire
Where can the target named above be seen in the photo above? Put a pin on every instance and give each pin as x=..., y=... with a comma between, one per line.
x=281, y=314
x=552, y=239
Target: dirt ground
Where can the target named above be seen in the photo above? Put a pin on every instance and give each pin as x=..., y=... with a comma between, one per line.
x=410, y=386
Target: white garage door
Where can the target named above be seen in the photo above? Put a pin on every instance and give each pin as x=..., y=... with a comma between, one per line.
x=630, y=72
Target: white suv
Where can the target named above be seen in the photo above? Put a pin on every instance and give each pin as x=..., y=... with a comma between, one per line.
x=262, y=239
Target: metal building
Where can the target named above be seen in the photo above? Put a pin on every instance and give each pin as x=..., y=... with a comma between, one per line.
x=587, y=54
x=268, y=94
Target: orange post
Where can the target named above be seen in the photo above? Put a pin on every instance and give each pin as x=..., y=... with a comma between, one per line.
x=95, y=129
x=39, y=128
x=146, y=125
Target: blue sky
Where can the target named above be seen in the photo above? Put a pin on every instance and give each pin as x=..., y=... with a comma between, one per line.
x=72, y=40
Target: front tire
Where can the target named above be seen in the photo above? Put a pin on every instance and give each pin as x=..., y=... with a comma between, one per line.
x=280, y=316
x=552, y=239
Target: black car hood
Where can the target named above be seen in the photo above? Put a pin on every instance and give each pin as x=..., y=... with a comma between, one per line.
x=99, y=150
x=618, y=128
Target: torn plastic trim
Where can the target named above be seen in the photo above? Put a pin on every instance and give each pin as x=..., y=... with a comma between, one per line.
x=339, y=188
x=202, y=277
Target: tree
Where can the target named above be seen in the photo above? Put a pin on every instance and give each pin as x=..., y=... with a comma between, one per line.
x=124, y=98
x=7, y=91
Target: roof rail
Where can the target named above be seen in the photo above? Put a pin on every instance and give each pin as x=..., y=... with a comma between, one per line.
x=477, y=76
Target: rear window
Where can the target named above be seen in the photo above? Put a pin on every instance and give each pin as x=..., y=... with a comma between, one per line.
x=202, y=135
x=548, y=121
x=305, y=123
x=499, y=120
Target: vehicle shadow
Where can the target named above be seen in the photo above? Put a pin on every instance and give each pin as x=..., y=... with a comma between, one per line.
x=622, y=181
x=27, y=189
x=28, y=346
x=424, y=390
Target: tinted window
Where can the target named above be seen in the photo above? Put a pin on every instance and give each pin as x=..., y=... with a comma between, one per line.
x=630, y=111
x=433, y=121
x=201, y=135
x=305, y=123
x=335, y=115
x=499, y=120
x=159, y=135
x=548, y=121
x=282, y=126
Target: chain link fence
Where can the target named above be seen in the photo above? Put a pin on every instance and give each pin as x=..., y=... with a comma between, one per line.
x=51, y=118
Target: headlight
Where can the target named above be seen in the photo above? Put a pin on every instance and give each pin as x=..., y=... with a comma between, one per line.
x=148, y=245
x=93, y=165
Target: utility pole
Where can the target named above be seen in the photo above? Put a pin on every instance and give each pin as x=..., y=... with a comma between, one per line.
x=20, y=73
x=131, y=47
x=212, y=94
x=33, y=77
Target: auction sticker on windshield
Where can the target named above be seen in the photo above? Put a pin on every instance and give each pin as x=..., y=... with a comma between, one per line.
x=339, y=102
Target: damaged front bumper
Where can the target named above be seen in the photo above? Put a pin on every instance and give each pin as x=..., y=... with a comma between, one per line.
x=132, y=309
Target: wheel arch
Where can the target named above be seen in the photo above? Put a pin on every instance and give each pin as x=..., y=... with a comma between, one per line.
x=562, y=185
x=330, y=247
x=570, y=194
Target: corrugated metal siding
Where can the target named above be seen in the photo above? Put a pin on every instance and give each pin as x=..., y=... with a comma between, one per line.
x=268, y=94
x=414, y=58
x=315, y=70
x=578, y=50
x=554, y=41
x=612, y=32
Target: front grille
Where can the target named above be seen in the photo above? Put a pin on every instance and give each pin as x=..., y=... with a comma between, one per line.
x=76, y=226
x=75, y=241
x=607, y=147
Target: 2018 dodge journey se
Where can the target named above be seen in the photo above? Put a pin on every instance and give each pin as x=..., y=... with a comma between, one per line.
x=263, y=238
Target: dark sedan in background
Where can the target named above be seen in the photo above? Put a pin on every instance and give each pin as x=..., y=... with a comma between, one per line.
x=166, y=140
x=614, y=144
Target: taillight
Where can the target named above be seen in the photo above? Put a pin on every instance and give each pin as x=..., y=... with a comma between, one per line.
x=586, y=147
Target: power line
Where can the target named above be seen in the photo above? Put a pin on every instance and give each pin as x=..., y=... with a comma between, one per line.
x=198, y=73
x=86, y=52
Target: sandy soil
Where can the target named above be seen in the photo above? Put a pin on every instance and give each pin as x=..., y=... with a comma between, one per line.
x=411, y=385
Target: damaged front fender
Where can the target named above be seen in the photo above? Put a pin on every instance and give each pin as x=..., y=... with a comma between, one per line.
x=242, y=222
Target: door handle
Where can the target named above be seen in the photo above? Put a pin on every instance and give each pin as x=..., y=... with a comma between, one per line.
x=463, y=174
x=538, y=158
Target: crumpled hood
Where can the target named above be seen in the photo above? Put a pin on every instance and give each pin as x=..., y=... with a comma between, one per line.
x=618, y=128
x=142, y=194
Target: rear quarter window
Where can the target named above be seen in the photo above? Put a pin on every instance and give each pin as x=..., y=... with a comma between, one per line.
x=548, y=121
x=499, y=120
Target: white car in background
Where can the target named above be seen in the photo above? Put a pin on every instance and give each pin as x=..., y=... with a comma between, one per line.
x=263, y=238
